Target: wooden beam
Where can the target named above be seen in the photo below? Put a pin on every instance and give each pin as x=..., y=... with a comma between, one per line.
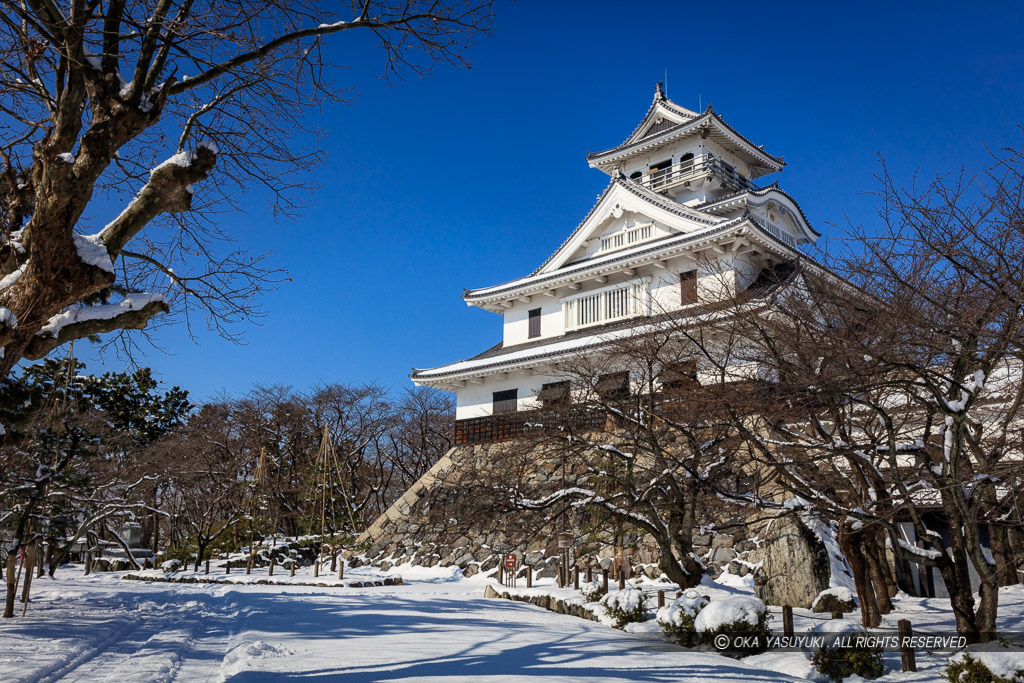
x=574, y=285
x=526, y=299
x=550, y=293
x=476, y=380
x=601, y=279
x=505, y=304
x=630, y=271
x=660, y=264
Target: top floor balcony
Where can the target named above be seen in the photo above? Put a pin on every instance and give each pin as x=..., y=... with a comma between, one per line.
x=689, y=170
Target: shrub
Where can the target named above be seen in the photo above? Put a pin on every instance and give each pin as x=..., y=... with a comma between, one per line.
x=593, y=591
x=625, y=606
x=740, y=617
x=676, y=618
x=840, y=662
x=967, y=669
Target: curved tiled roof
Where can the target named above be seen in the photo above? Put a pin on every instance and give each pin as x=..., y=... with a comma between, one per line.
x=708, y=115
x=659, y=98
x=758, y=192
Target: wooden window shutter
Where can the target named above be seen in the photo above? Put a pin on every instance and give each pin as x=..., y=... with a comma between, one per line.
x=688, y=287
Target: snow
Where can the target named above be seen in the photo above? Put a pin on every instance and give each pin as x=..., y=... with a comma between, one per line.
x=12, y=277
x=67, y=157
x=627, y=600
x=92, y=250
x=7, y=317
x=687, y=605
x=76, y=314
x=722, y=611
x=920, y=552
x=842, y=593
x=1000, y=663
x=99, y=628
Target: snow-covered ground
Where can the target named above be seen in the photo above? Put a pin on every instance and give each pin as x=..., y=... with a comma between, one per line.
x=435, y=627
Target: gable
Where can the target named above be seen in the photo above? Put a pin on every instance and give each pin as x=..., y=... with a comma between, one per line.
x=619, y=209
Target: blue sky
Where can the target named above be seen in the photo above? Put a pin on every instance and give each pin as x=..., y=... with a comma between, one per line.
x=473, y=177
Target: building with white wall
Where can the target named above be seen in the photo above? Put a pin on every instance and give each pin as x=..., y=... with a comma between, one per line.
x=681, y=223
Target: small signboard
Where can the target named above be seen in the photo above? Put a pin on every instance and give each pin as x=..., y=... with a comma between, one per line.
x=564, y=540
x=510, y=561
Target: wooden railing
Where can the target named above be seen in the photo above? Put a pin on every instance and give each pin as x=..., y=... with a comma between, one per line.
x=695, y=168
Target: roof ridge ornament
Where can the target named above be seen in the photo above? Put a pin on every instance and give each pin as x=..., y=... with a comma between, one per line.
x=659, y=92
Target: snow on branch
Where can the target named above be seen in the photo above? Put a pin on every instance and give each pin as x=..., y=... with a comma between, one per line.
x=133, y=312
x=168, y=190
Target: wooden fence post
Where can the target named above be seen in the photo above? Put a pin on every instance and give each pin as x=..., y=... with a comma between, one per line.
x=604, y=578
x=88, y=562
x=529, y=576
x=291, y=568
x=576, y=578
x=207, y=565
x=227, y=567
x=907, y=657
x=271, y=571
x=341, y=570
x=316, y=569
x=787, y=621
x=622, y=580
x=590, y=574
x=661, y=598
x=334, y=560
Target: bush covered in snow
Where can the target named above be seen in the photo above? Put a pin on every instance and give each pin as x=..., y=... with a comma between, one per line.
x=593, y=591
x=626, y=606
x=169, y=566
x=743, y=618
x=841, y=662
x=989, y=668
x=676, y=618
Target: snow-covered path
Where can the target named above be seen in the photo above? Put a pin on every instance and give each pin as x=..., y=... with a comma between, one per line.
x=98, y=628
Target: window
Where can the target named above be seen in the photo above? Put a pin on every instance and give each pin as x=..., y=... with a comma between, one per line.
x=688, y=287
x=613, y=386
x=554, y=394
x=534, y=322
x=677, y=377
x=505, y=401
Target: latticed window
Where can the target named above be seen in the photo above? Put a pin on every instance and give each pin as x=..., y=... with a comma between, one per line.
x=534, y=323
x=606, y=305
x=505, y=401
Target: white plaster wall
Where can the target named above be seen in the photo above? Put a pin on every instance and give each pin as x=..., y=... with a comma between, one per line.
x=516, y=326
x=477, y=400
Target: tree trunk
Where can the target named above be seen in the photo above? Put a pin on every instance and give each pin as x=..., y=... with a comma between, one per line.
x=30, y=561
x=961, y=598
x=1006, y=566
x=874, y=554
x=849, y=543
x=12, y=582
x=988, y=593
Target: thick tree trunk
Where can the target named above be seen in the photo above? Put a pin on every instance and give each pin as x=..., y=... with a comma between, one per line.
x=852, y=548
x=30, y=561
x=1006, y=566
x=961, y=598
x=988, y=608
x=874, y=554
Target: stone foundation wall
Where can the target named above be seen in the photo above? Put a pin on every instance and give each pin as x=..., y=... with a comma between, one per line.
x=429, y=526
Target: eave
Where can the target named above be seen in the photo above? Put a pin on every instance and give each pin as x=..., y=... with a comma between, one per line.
x=498, y=298
x=763, y=161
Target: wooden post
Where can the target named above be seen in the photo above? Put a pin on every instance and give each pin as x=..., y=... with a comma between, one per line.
x=248, y=565
x=227, y=567
x=622, y=580
x=316, y=569
x=561, y=581
x=341, y=570
x=291, y=568
x=501, y=573
x=207, y=565
x=88, y=562
x=590, y=574
x=529, y=576
x=604, y=579
x=576, y=578
x=661, y=598
x=907, y=656
x=787, y=621
x=271, y=570
x=334, y=560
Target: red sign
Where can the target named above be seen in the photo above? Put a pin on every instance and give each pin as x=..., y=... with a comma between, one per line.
x=510, y=561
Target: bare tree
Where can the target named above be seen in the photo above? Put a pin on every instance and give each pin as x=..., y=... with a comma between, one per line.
x=891, y=400
x=104, y=99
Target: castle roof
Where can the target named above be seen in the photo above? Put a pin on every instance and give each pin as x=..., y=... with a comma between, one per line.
x=667, y=122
